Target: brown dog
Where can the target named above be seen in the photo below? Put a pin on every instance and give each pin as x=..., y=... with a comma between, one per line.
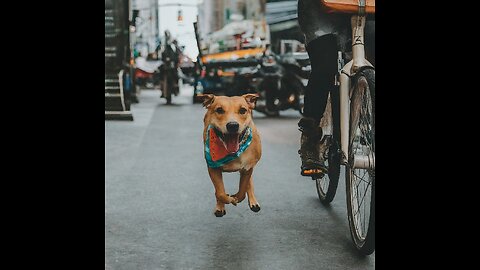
x=231, y=144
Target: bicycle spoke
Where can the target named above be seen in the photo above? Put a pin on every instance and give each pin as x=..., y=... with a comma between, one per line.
x=361, y=179
x=358, y=215
x=364, y=210
x=361, y=201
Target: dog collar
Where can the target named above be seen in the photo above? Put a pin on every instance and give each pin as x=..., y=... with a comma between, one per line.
x=216, y=154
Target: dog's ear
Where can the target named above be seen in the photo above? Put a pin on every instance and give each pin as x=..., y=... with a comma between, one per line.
x=251, y=99
x=207, y=99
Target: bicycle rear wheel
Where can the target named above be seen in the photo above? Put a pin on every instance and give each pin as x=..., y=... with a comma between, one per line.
x=360, y=179
x=327, y=185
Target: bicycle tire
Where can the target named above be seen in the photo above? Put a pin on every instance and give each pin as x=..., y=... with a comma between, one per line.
x=327, y=186
x=362, y=122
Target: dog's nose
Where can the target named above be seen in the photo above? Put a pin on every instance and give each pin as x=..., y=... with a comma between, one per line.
x=232, y=127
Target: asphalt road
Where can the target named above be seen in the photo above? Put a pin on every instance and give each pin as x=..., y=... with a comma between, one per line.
x=159, y=199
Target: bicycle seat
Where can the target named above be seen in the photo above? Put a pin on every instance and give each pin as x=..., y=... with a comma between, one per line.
x=348, y=6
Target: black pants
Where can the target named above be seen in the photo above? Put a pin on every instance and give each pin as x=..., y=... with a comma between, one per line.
x=323, y=59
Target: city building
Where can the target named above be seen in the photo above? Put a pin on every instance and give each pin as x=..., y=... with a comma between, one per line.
x=281, y=17
x=215, y=14
x=146, y=34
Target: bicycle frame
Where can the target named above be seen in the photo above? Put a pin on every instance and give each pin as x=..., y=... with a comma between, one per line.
x=348, y=71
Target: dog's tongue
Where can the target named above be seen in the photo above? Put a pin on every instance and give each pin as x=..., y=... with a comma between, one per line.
x=231, y=141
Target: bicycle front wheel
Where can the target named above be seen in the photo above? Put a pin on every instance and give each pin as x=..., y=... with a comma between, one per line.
x=360, y=170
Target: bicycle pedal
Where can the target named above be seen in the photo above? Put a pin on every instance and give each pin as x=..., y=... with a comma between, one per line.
x=318, y=173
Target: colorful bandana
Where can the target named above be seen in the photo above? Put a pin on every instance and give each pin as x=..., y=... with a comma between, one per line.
x=215, y=152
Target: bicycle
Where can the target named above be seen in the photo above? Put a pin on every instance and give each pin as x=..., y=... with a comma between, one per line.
x=348, y=126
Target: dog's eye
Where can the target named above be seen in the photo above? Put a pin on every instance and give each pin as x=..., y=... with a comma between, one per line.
x=242, y=111
x=220, y=110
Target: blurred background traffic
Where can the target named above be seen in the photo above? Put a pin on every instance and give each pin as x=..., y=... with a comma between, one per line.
x=223, y=47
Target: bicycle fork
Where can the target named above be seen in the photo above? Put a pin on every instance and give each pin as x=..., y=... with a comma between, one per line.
x=345, y=73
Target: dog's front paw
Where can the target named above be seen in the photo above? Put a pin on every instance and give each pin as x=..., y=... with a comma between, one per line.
x=220, y=213
x=255, y=208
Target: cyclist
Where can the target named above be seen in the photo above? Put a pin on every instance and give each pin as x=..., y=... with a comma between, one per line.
x=325, y=34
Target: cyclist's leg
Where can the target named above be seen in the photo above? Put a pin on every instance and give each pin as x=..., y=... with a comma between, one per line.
x=322, y=52
x=370, y=41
